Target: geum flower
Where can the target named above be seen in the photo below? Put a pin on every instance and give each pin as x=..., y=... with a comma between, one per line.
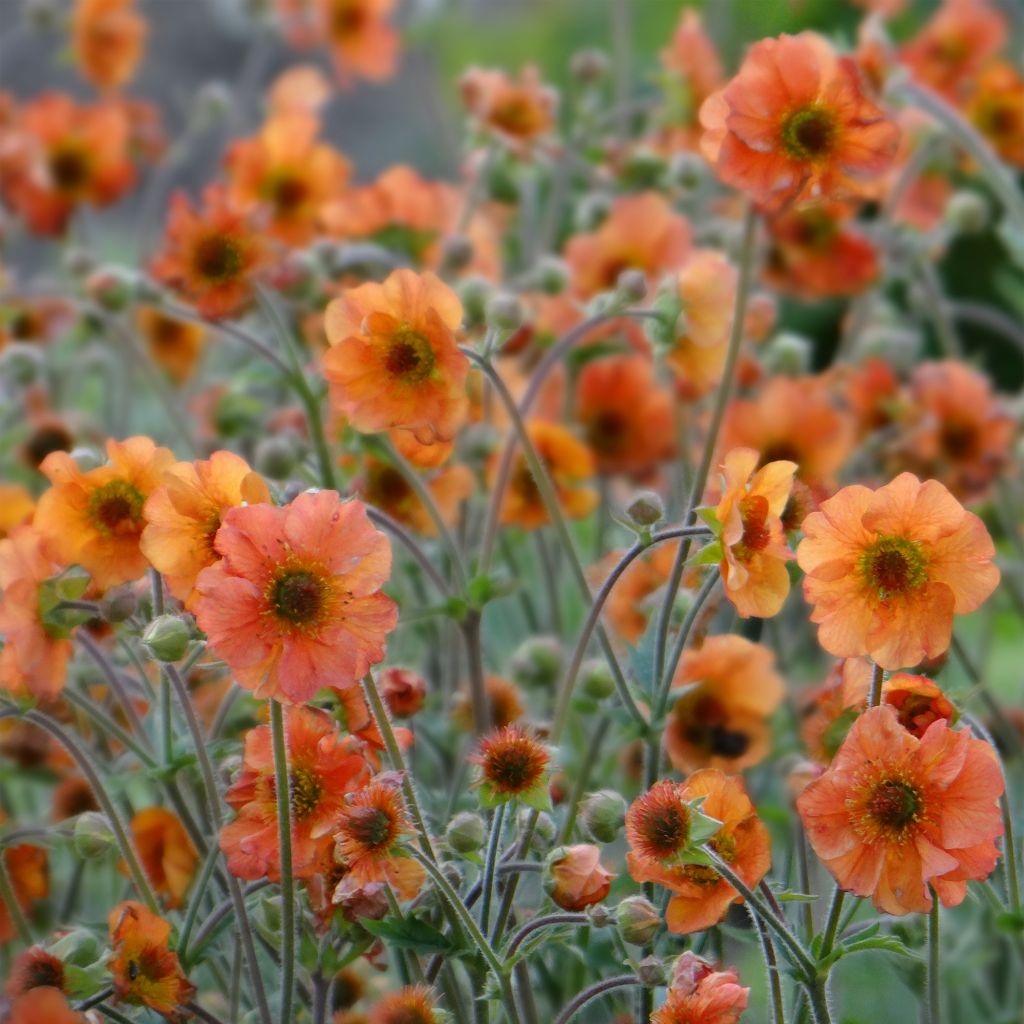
x=895, y=815
x=294, y=604
x=512, y=765
x=107, y=37
x=167, y=853
x=698, y=994
x=887, y=570
x=794, y=123
x=575, y=877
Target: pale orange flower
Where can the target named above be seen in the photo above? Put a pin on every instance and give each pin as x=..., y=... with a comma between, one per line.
x=504, y=698
x=175, y=345
x=35, y=968
x=16, y=508
x=577, y=878
x=95, y=518
x=641, y=232
x=28, y=869
x=167, y=854
x=996, y=108
x=918, y=702
x=394, y=360
x=519, y=110
x=894, y=815
x=384, y=487
x=720, y=720
x=828, y=710
x=693, y=71
x=796, y=123
x=750, y=534
x=107, y=37
x=183, y=514
x=361, y=39
x=43, y=1005
x=887, y=570
x=304, y=88
x=295, y=605
x=699, y=994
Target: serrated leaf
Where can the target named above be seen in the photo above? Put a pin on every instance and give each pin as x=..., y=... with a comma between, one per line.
x=409, y=933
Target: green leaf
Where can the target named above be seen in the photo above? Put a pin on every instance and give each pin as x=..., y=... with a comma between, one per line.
x=710, y=555
x=409, y=933
x=786, y=896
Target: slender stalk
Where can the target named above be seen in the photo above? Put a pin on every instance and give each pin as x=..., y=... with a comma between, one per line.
x=835, y=911
x=774, y=978
x=548, y=921
x=195, y=899
x=490, y=864
x=8, y=897
x=593, y=992
x=934, y=964
x=877, y=678
x=284, y=831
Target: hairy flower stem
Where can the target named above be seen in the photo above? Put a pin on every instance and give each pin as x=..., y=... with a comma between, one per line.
x=593, y=992
x=772, y=965
x=8, y=898
x=934, y=965
x=490, y=864
x=835, y=911
x=284, y=832
x=877, y=679
x=548, y=921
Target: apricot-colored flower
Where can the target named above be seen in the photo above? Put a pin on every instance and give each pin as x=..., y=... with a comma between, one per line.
x=634, y=596
x=394, y=360
x=895, y=814
x=512, y=765
x=43, y=1005
x=699, y=994
x=285, y=171
x=184, y=513
x=144, y=970
x=361, y=39
x=94, y=518
x=701, y=896
x=518, y=110
x=626, y=417
x=828, y=710
x=34, y=656
x=385, y=487
x=369, y=832
x=167, y=854
x=75, y=154
x=996, y=109
x=413, y=1004
x=729, y=689
x=641, y=232
x=210, y=254
x=887, y=570
x=295, y=605
x=28, y=869
x=796, y=123
x=323, y=768
x=707, y=295
x=577, y=878
x=693, y=71
x=749, y=527
x=504, y=698
x=107, y=37
x=569, y=462
x=918, y=702
x=403, y=690
x=175, y=345
x=952, y=48
x=872, y=391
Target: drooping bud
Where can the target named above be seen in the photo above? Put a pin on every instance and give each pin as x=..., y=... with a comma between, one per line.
x=603, y=814
x=537, y=661
x=646, y=508
x=638, y=920
x=596, y=679
x=466, y=832
x=166, y=638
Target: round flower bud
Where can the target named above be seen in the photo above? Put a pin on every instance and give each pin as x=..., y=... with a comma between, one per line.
x=687, y=171
x=474, y=293
x=551, y=275
x=603, y=814
x=504, y=311
x=638, y=920
x=212, y=102
x=644, y=168
x=118, y=603
x=632, y=285
x=166, y=638
x=112, y=288
x=456, y=253
x=589, y=66
x=968, y=212
x=651, y=972
x=788, y=353
x=21, y=365
x=43, y=15
x=537, y=661
x=92, y=837
x=899, y=346
x=275, y=457
x=601, y=916
x=596, y=679
x=78, y=261
x=403, y=690
x=466, y=832
x=646, y=508
x=575, y=878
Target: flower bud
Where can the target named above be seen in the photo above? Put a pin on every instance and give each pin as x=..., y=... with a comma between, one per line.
x=504, y=312
x=645, y=168
x=78, y=261
x=166, y=638
x=638, y=920
x=456, y=253
x=603, y=814
x=93, y=837
x=596, y=679
x=631, y=285
x=589, y=66
x=646, y=508
x=21, y=365
x=575, y=878
x=651, y=972
x=403, y=690
x=591, y=210
x=118, y=603
x=212, y=101
x=687, y=171
x=275, y=457
x=968, y=212
x=474, y=293
x=551, y=275
x=111, y=288
x=788, y=353
x=43, y=15
x=86, y=458
x=466, y=832
x=601, y=916
x=537, y=661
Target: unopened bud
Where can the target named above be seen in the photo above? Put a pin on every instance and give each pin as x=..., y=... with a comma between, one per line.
x=551, y=275
x=596, y=679
x=86, y=458
x=275, y=457
x=21, y=365
x=638, y=920
x=788, y=353
x=603, y=814
x=545, y=831
x=632, y=285
x=968, y=212
x=687, y=171
x=589, y=66
x=93, y=837
x=537, y=661
x=112, y=288
x=646, y=509
x=474, y=293
x=456, y=253
x=466, y=832
x=166, y=638
x=118, y=603
x=212, y=102
x=651, y=972
x=601, y=915
x=504, y=311
x=592, y=210
x=645, y=168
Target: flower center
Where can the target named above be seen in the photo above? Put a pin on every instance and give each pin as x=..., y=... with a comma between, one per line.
x=958, y=440
x=512, y=769
x=388, y=488
x=298, y=596
x=816, y=228
x=606, y=432
x=705, y=725
x=756, y=534
x=809, y=133
x=218, y=258
x=305, y=790
x=347, y=17
x=287, y=192
x=664, y=830
x=894, y=804
x=409, y=356
x=372, y=827
x=116, y=507
x=69, y=169
x=894, y=566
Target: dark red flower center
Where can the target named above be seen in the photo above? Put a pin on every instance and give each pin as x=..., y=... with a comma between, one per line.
x=218, y=258
x=809, y=133
x=116, y=507
x=894, y=803
x=894, y=567
x=298, y=596
x=372, y=827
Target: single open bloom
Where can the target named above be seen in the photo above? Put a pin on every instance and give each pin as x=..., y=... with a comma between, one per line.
x=94, y=518
x=107, y=37
x=699, y=994
x=43, y=1005
x=887, y=570
x=384, y=486
x=576, y=877
x=167, y=854
x=362, y=41
x=996, y=109
x=185, y=512
x=518, y=110
x=512, y=765
x=175, y=345
x=413, y=1004
x=35, y=968
x=27, y=867
x=394, y=360
x=894, y=815
x=795, y=122
x=692, y=72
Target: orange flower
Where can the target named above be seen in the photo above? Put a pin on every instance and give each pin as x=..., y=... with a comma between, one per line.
x=174, y=345
x=361, y=39
x=403, y=690
x=700, y=995
x=792, y=419
x=414, y=1004
x=35, y=968
x=43, y=1006
x=872, y=391
x=144, y=970
x=730, y=688
x=626, y=418
x=701, y=896
x=895, y=814
x=95, y=518
x=633, y=597
x=512, y=765
x=829, y=710
x=287, y=172
x=569, y=463
x=918, y=702
x=295, y=605
x=34, y=656
x=887, y=570
x=394, y=361
x=693, y=71
x=210, y=255
x=107, y=37
x=184, y=513
x=518, y=111
x=750, y=535
x=952, y=48
x=76, y=154
x=166, y=851
x=301, y=88
x=795, y=122
x=707, y=294
x=384, y=487
x=641, y=232
x=577, y=878
x=503, y=696
x=28, y=869
x=997, y=110
x=323, y=768
x=815, y=253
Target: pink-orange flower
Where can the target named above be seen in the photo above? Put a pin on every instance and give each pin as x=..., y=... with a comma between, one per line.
x=43, y=1005
x=517, y=110
x=576, y=877
x=108, y=37
x=295, y=605
x=360, y=36
x=795, y=123
x=166, y=851
x=887, y=570
x=693, y=71
x=996, y=109
x=699, y=994
x=895, y=815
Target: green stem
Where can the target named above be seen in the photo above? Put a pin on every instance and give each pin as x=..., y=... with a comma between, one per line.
x=284, y=832
x=832, y=925
x=774, y=978
x=198, y=891
x=934, y=965
x=489, y=867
